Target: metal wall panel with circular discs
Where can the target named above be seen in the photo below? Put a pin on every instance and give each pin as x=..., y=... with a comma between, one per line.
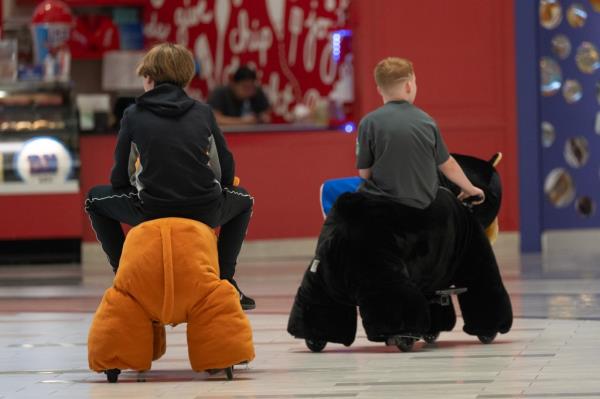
x=570, y=112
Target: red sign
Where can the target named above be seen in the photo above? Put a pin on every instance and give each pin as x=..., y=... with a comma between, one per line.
x=288, y=42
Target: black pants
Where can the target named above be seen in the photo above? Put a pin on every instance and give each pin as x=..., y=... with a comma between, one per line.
x=108, y=208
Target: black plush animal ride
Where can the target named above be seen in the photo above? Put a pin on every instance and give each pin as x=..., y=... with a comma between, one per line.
x=399, y=265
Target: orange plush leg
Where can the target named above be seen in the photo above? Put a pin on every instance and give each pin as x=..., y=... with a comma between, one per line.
x=121, y=335
x=218, y=332
x=159, y=346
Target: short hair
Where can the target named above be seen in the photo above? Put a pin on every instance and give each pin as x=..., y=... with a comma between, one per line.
x=391, y=70
x=244, y=73
x=168, y=62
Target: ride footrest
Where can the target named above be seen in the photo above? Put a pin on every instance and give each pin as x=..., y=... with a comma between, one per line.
x=442, y=297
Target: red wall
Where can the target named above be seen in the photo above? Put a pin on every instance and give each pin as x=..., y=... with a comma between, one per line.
x=284, y=172
x=463, y=53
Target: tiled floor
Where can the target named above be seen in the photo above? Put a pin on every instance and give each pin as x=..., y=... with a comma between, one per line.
x=553, y=350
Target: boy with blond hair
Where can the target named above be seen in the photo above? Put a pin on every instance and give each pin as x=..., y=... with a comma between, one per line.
x=400, y=148
x=185, y=167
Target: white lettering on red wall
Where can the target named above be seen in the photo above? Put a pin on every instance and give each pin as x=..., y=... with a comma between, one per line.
x=187, y=16
x=287, y=41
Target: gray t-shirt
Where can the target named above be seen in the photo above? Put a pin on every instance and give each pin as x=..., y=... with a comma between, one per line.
x=403, y=147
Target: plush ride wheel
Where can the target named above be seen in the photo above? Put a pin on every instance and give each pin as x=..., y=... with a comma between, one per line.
x=404, y=342
x=486, y=339
x=431, y=338
x=315, y=345
x=229, y=373
x=112, y=375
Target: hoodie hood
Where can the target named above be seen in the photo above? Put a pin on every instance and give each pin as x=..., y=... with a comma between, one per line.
x=166, y=99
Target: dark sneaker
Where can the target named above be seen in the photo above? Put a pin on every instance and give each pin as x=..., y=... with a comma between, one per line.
x=247, y=302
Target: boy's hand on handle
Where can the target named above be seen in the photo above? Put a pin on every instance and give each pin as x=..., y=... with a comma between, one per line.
x=473, y=192
x=452, y=170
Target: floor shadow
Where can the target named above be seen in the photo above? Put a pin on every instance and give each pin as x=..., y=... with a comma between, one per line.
x=170, y=376
x=419, y=347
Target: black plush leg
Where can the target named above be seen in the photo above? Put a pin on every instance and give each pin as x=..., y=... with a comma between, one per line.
x=443, y=318
x=486, y=307
x=316, y=316
x=395, y=308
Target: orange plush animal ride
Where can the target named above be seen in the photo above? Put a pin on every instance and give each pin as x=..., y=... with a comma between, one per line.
x=169, y=274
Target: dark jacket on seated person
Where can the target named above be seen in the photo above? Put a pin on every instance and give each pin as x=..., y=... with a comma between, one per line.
x=189, y=161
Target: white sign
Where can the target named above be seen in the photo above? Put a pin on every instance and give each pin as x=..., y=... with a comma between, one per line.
x=43, y=160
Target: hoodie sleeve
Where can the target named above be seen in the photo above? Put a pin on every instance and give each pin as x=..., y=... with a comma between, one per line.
x=226, y=161
x=119, y=177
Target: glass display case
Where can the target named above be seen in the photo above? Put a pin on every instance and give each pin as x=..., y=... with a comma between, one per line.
x=40, y=203
x=39, y=142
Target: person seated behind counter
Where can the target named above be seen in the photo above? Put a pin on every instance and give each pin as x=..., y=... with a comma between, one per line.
x=242, y=102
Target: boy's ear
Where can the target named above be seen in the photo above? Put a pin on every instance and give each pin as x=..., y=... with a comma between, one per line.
x=379, y=91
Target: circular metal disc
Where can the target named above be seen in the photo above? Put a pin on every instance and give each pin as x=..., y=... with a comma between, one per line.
x=551, y=76
x=550, y=13
x=572, y=91
x=559, y=188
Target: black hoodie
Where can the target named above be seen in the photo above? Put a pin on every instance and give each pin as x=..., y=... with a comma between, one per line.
x=184, y=159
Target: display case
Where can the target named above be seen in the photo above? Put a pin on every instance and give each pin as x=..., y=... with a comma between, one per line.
x=39, y=143
x=40, y=206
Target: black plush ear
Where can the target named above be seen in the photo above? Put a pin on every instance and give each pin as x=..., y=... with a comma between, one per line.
x=495, y=160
